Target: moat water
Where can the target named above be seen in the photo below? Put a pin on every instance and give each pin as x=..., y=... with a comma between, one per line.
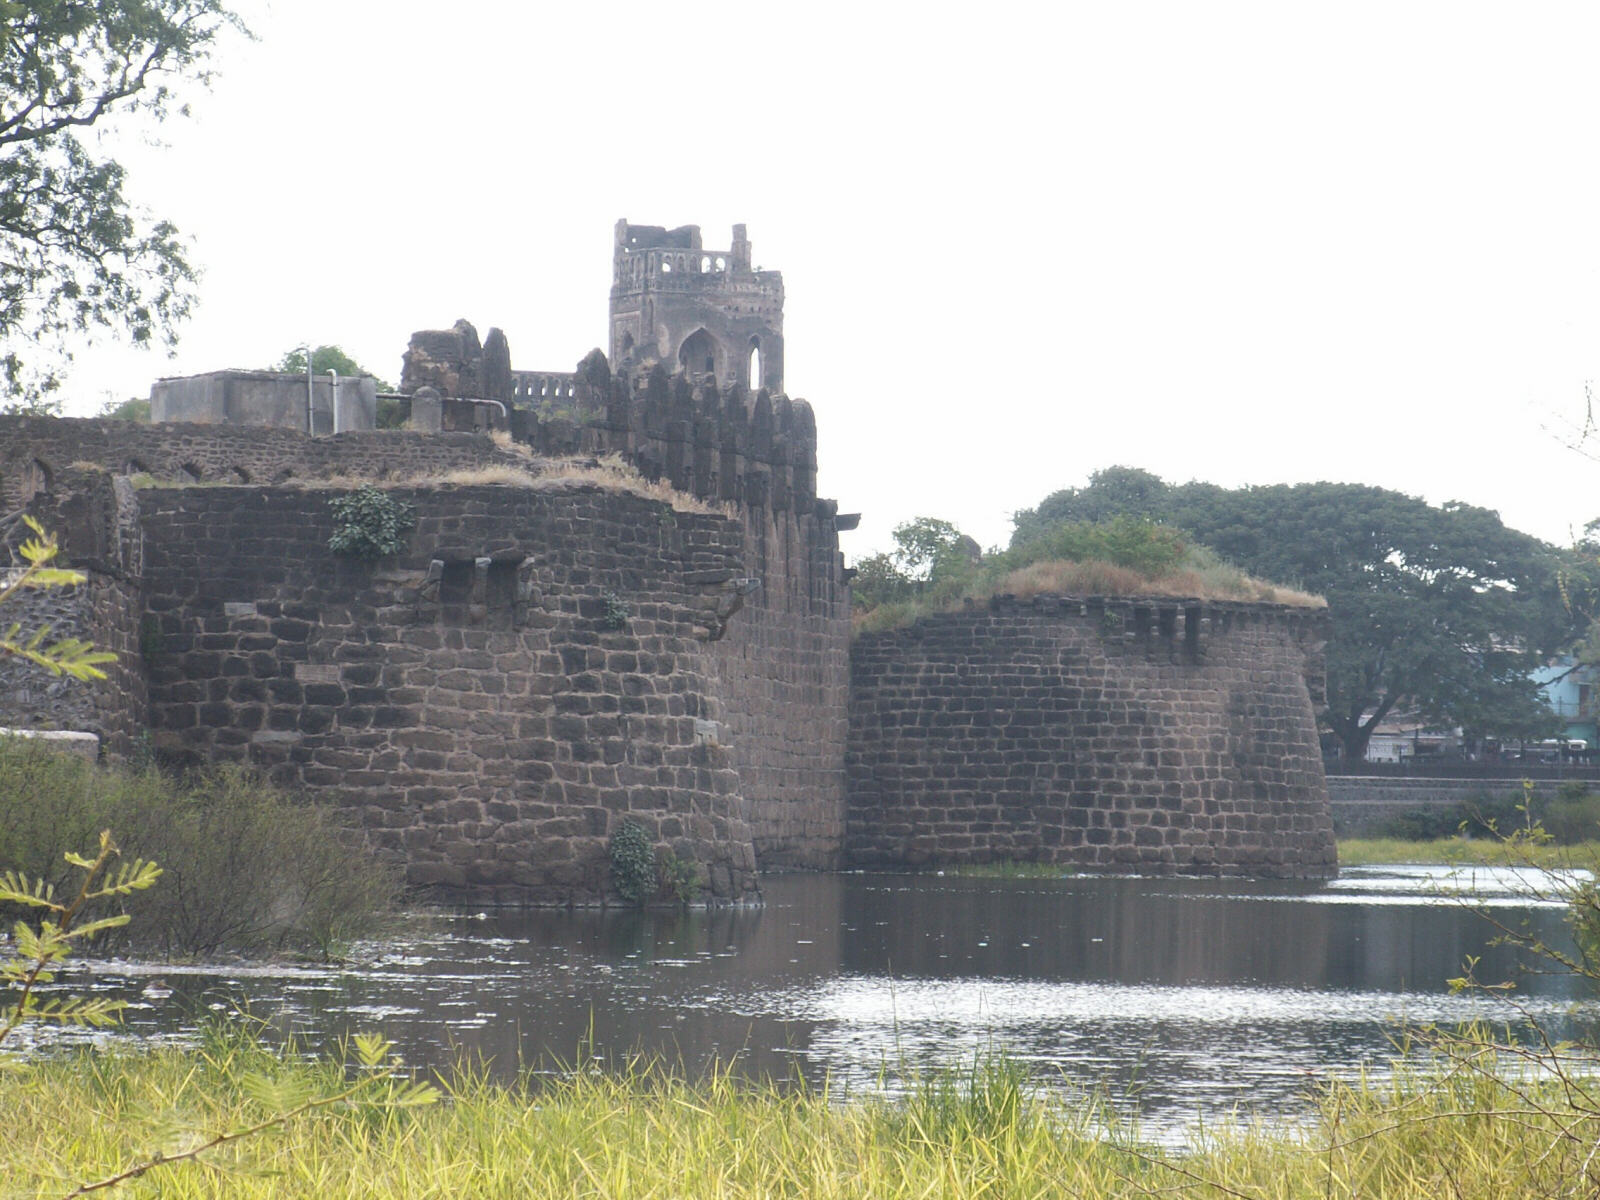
x=1187, y=999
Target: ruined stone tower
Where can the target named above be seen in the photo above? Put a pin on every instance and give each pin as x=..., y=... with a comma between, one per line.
x=706, y=312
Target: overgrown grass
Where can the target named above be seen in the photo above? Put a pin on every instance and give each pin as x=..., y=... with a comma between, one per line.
x=1448, y=1129
x=245, y=867
x=1492, y=852
x=612, y=474
x=1122, y=557
x=1570, y=815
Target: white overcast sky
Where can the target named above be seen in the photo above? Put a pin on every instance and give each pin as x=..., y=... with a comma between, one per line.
x=1245, y=243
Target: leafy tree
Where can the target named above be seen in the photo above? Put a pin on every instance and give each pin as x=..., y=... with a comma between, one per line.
x=134, y=409
x=922, y=544
x=325, y=359
x=1113, y=492
x=75, y=255
x=1442, y=610
x=930, y=555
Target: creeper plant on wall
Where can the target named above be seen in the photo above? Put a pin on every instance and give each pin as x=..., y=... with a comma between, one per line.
x=369, y=523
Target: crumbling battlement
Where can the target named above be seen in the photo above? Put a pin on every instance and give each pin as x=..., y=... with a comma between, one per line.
x=714, y=443
x=34, y=451
x=706, y=312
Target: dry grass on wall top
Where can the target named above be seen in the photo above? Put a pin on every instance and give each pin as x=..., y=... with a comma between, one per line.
x=611, y=474
x=1212, y=581
x=1209, y=582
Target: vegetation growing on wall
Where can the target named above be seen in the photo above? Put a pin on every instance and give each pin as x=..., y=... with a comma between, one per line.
x=935, y=567
x=370, y=523
x=633, y=863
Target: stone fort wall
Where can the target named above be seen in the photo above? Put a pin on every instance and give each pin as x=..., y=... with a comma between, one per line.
x=471, y=705
x=783, y=661
x=1111, y=735
x=775, y=659
x=478, y=704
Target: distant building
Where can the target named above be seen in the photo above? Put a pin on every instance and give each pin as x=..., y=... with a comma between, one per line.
x=704, y=312
x=1569, y=689
x=1399, y=738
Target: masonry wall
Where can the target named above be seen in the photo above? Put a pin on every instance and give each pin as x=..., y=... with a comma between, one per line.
x=783, y=660
x=34, y=451
x=95, y=519
x=1362, y=804
x=1107, y=735
x=489, y=706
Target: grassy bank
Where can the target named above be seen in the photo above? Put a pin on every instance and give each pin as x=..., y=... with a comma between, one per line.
x=79, y=1119
x=1365, y=852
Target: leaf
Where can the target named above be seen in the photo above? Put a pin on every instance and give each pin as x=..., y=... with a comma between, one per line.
x=90, y=928
x=277, y=1095
x=46, y=577
x=372, y=1048
x=414, y=1095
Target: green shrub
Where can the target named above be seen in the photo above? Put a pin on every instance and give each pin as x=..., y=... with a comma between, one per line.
x=1132, y=542
x=1569, y=817
x=679, y=877
x=246, y=868
x=616, y=613
x=633, y=863
x=369, y=523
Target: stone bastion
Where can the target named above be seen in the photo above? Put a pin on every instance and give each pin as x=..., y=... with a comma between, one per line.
x=1132, y=734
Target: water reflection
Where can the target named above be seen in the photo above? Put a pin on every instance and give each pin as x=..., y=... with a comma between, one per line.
x=1197, y=995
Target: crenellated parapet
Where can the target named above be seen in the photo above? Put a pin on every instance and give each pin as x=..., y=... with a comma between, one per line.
x=1182, y=629
x=718, y=444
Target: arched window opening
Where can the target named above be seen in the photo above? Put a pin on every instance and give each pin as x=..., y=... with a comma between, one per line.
x=755, y=364
x=698, y=354
x=190, y=473
x=36, y=480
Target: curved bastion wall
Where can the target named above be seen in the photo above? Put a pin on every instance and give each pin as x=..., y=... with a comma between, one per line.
x=1142, y=734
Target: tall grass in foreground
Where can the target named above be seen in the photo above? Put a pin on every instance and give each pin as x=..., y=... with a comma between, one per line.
x=1449, y=1130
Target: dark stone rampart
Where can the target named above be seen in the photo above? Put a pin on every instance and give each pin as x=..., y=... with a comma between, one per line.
x=95, y=518
x=34, y=451
x=783, y=659
x=489, y=706
x=780, y=656
x=1113, y=735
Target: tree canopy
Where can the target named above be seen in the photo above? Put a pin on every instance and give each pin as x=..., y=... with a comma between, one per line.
x=1441, y=610
x=928, y=551
x=75, y=255
x=325, y=359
